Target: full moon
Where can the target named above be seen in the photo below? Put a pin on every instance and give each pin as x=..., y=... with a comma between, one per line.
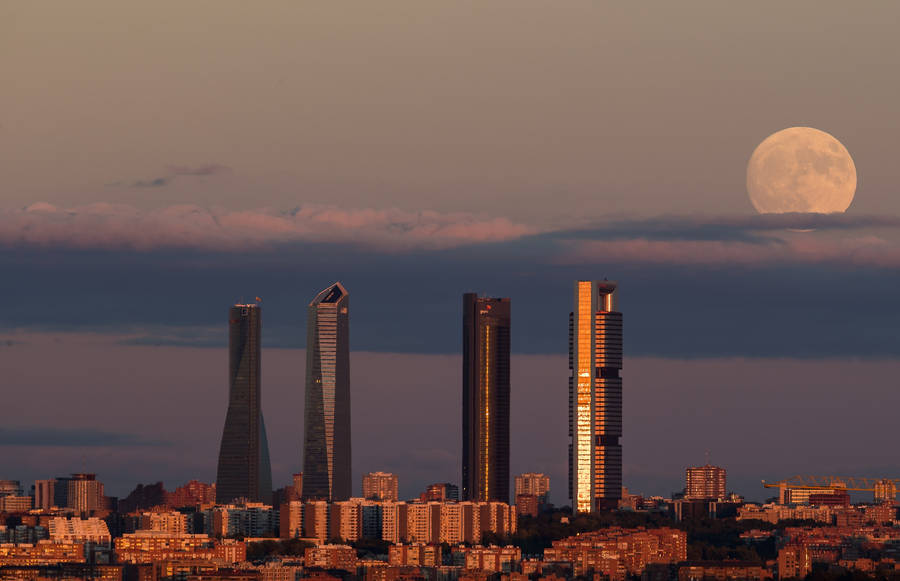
x=801, y=169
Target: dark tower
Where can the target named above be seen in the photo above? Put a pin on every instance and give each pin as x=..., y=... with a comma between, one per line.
x=595, y=398
x=244, y=470
x=485, y=458
x=326, y=440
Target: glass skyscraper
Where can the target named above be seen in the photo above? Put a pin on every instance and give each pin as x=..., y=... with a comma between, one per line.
x=485, y=413
x=595, y=398
x=326, y=440
x=244, y=470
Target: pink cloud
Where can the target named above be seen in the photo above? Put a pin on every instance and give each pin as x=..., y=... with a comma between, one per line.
x=106, y=225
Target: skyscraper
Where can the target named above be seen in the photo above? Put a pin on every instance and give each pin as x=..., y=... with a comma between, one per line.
x=485, y=457
x=244, y=470
x=326, y=440
x=595, y=398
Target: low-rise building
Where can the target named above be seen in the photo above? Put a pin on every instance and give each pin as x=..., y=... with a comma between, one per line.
x=331, y=557
x=194, y=493
x=722, y=571
x=415, y=554
x=491, y=559
x=168, y=521
x=150, y=546
x=13, y=504
x=773, y=513
x=253, y=519
x=41, y=553
x=79, y=530
x=616, y=552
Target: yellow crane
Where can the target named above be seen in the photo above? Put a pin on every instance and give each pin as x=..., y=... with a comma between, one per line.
x=883, y=488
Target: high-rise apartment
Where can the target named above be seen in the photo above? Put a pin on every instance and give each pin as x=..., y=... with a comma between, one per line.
x=380, y=486
x=535, y=484
x=82, y=491
x=595, y=398
x=85, y=493
x=704, y=483
x=485, y=421
x=326, y=441
x=44, y=493
x=244, y=470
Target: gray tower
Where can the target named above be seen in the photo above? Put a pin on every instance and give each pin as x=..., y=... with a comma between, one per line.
x=485, y=419
x=326, y=441
x=244, y=470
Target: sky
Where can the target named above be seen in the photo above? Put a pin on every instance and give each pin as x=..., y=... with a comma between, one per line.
x=160, y=162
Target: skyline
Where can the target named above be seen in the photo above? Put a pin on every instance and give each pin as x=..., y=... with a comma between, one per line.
x=687, y=446
x=417, y=153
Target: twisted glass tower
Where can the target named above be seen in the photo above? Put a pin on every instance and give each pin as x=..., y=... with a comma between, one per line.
x=485, y=457
x=244, y=470
x=326, y=440
x=595, y=398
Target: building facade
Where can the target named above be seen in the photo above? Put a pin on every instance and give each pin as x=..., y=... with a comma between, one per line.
x=534, y=483
x=326, y=441
x=380, y=486
x=85, y=493
x=244, y=470
x=193, y=493
x=440, y=491
x=10, y=488
x=154, y=546
x=616, y=552
x=485, y=414
x=595, y=398
x=527, y=505
x=44, y=493
x=290, y=520
x=704, y=483
x=12, y=504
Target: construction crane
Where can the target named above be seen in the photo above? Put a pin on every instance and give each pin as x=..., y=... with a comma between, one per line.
x=883, y=488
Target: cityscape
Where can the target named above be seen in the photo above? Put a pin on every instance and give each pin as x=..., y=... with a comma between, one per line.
x=239, y=527
x=623, y=283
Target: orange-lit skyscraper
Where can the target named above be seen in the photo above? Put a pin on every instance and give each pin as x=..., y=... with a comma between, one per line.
x=485, y=457
x=595, y=398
